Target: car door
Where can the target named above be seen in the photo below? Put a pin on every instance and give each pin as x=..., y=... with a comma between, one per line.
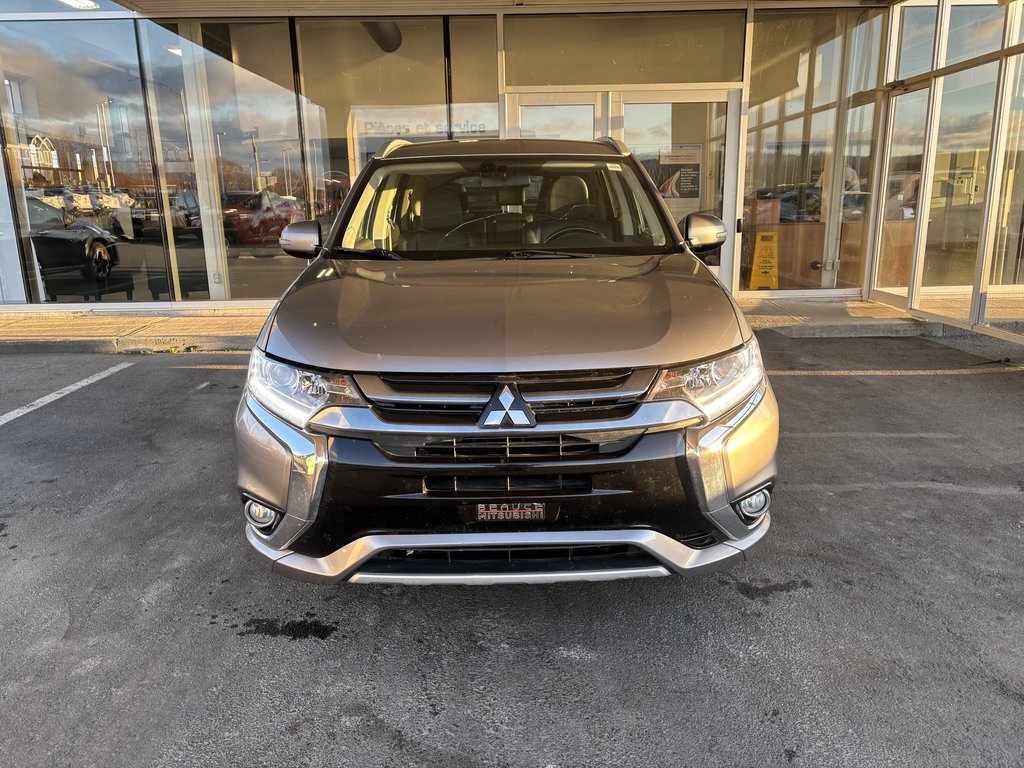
x=57, y=249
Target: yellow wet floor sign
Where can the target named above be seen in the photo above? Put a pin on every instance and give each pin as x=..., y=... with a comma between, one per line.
x=765, y=271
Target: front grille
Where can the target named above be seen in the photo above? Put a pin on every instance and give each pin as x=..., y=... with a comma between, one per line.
x=505, y=449
x=484, y=560
x=459, y=399
x=505, y=485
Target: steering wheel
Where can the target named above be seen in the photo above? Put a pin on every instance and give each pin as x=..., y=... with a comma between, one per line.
x=576, y=229
x=457, y=227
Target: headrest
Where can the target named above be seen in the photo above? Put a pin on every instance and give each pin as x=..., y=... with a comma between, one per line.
x=441, y=208
x=568, y=191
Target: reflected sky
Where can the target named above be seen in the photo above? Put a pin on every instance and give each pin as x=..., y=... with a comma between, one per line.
x=78, y=89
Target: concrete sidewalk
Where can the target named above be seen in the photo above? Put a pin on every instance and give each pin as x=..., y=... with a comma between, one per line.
x=223, y=329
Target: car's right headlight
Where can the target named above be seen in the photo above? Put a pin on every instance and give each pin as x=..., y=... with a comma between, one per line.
x=295, y=394
x=716, y=386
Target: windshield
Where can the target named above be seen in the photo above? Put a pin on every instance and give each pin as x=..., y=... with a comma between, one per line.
x=473, y=207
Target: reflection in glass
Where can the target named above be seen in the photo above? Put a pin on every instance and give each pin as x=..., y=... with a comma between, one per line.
x=851, y=194
x=957, y=194
x=254, y=121
x=474, y=61
x=634, y=48
x=368, y=81
x=170, y=107
x=899, y=217
x=974, y=29
x=682, y=147
x=805, y=199
x=917, y=39
x=12, y=284
x=78, y=152
x=83, y=7
x=557, y=121
x=1004, y=303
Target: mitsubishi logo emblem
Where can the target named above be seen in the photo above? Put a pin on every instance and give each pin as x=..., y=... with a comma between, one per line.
x=507, y=408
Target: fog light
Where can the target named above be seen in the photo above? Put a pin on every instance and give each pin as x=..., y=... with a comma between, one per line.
x=754, y=506
x=259, y=515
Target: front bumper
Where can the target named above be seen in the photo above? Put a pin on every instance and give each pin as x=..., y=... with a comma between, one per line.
x=347, y=509
x=347, y=563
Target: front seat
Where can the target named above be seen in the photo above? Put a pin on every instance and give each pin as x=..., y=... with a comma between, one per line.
x=569, y=198
x=568, y=210
x=440, y=213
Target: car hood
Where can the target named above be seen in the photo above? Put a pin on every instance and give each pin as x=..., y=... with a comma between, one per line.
x=503, y=316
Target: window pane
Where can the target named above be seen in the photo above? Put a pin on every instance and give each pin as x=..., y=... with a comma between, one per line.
x=805, y=201
x=974, y=30
x=367, y=81
x=682, y=146
x=917, y=40
x=474, y=51
x=958, y=191
x=254, y=121
x=56, y=6
x=896, y=246
x=1004, y=304
x=78, y=151
x=169, y=104
x=853, y=194
x=634, y=48
x=12, y=284
x=557, y=121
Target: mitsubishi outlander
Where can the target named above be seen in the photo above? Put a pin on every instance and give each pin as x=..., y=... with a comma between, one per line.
x=505, y=363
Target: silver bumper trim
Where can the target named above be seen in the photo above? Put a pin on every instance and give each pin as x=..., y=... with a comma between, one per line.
x=344, y=563
x=482, y=579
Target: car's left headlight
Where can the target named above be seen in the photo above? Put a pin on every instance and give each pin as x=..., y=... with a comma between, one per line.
x=295, y=394
x=717, y=386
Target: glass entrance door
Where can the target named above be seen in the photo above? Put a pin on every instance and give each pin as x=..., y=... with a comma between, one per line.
x=687, y=140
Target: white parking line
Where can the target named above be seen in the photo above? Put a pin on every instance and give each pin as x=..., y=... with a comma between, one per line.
x=47, y=399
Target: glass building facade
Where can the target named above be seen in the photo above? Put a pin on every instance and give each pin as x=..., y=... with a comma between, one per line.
x=862, y=150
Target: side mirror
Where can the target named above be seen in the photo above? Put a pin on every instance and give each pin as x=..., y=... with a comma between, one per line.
x=301, y=239
x=703, y=233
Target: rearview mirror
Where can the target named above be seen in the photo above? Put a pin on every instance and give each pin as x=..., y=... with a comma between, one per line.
x=703, y=233
x=301, y=239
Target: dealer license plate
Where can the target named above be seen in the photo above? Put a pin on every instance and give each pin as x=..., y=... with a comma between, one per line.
x=512, y=512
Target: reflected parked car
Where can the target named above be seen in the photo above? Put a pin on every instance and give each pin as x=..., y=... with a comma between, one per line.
x=250, y=218
x=77, y=258
x=255, y=218
x=802, y=202
x=79, y=247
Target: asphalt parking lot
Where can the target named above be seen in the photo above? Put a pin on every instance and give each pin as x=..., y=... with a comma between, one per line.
x=882, y=624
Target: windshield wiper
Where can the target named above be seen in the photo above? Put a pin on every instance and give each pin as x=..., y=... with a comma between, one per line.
x=545, y=254
x=369, y=253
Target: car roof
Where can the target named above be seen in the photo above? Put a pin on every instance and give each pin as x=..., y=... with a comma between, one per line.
x=502, y=147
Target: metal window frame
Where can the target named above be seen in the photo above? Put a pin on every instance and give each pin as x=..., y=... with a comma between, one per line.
x=935, y=80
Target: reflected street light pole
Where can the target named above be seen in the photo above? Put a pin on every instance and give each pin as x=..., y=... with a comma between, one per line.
x=287, y=170
x=220, y=162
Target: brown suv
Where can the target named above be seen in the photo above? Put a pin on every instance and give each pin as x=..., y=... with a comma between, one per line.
x=504, y=363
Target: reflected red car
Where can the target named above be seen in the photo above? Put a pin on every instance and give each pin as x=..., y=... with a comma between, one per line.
x=255, y=218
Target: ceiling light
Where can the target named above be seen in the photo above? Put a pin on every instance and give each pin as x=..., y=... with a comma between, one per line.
x=174, y=49
x=82, y=5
